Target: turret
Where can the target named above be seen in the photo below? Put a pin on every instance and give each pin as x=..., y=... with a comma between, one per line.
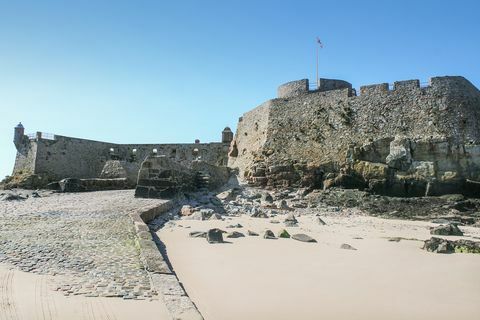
x=18, y=134
x=227, y=135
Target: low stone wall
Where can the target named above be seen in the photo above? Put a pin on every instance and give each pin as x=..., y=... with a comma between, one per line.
x=162, y=277
x=88, y=185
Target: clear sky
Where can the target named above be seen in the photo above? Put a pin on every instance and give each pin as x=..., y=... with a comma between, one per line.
x=173, y=71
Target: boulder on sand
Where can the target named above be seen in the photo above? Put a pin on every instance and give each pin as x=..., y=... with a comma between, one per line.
x=290, y=220
x=303, y=237
x=235, y=234
x=269, y=235
x=438, y=245
x=186, y=210
x=215, y=235
x=198, y=234
x=283, y=234
x=320, y=221
x=446, y=230
x=215, y=216
x=346, y=246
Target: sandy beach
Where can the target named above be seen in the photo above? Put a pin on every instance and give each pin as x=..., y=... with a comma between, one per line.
x=256, y=278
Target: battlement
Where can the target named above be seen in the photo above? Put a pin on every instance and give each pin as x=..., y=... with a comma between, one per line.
x=299, y=87
x=446, y=83
x=398, y=86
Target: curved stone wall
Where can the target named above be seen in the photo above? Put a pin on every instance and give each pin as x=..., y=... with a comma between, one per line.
x=293, y=88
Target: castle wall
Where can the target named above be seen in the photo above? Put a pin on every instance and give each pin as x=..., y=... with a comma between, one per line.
x=183, y=153
x=319, y=127
x=251, y=136
x=62, y=157
x=71, y=157
x=25, y=158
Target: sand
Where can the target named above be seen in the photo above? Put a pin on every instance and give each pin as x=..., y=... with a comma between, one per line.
x=26, y=296
x=255, y=278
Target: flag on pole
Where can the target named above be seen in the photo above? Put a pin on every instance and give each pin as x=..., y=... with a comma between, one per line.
x=319, y=42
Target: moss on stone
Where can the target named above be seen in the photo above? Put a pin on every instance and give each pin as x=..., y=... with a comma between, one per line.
x=283, y=234
x=465, y=249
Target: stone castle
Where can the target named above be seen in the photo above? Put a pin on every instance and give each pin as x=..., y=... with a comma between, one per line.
x=49, y=157
x=405, y=140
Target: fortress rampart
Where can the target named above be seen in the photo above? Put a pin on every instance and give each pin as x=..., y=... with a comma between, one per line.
x=328, y=130
x=402, y=139
x=56, y=157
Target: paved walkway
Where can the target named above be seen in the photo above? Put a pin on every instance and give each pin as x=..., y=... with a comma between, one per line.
x=82, y=248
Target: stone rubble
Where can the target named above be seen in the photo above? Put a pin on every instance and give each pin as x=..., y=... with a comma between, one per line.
x=283, y=205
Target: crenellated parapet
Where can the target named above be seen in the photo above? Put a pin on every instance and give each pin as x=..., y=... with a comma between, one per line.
x=446, y=84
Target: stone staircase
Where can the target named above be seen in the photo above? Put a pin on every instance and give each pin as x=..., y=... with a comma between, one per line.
x=202, y=181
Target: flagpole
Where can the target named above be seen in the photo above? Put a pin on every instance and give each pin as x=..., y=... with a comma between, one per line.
x=318, y=84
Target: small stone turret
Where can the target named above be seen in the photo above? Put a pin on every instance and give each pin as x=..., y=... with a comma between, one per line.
x=19, y=132
x=227, y=135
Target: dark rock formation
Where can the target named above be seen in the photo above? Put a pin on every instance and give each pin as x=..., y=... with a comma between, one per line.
x=215, y=235
x=446, y=230
x=235, y=234
x=439, y=245
x=269, y=235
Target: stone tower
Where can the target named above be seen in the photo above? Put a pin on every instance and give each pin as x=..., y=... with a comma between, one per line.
x=227, y=135
x=19, y=132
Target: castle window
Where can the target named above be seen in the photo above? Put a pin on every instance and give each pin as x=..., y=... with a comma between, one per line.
x=113, y=154
x=133, y=155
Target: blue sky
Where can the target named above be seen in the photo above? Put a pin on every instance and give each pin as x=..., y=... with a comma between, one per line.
x=167, y=71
